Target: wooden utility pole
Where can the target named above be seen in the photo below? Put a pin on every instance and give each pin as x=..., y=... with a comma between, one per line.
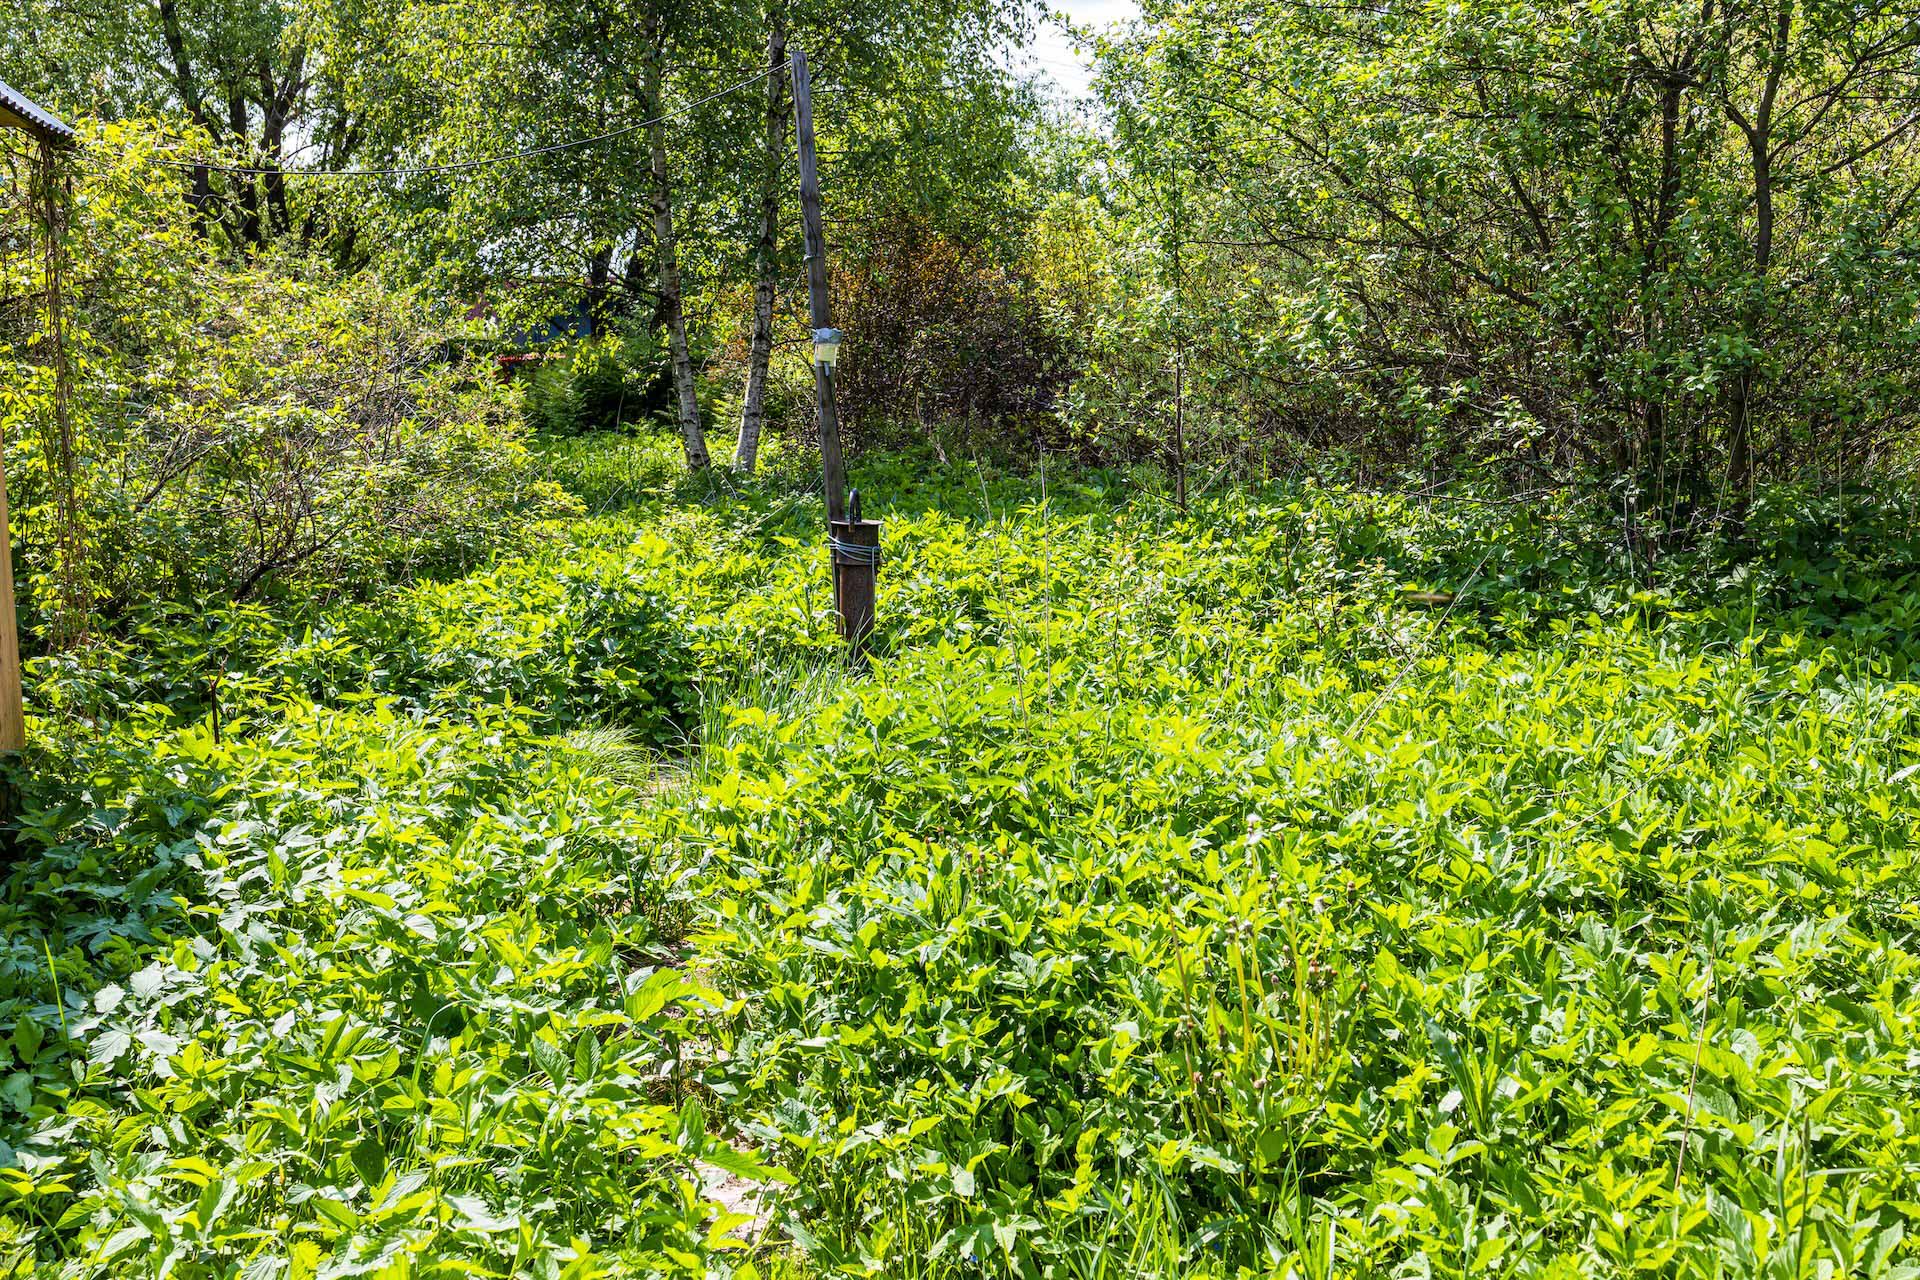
x=818, y=310
x=855, y=543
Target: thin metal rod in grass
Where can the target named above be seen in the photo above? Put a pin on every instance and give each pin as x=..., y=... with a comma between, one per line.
x=1366, y=717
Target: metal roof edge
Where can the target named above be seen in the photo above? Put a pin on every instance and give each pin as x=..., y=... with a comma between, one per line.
x=23, y=113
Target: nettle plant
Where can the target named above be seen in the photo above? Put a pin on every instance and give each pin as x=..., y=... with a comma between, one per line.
x=1170, y=895
x=379, y=991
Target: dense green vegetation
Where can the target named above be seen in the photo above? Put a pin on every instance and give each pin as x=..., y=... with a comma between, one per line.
x=1391, y=749
x=1170, y=894
x=1667, y=244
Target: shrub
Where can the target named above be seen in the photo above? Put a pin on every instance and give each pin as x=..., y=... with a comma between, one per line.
x=601, y=384
x=940, y=333
x=248, y=426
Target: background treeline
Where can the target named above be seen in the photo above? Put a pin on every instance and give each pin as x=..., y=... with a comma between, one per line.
x=1665, y=250
x=1666, y=246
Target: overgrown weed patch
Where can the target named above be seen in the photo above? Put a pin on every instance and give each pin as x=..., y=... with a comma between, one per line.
x=1169, y=896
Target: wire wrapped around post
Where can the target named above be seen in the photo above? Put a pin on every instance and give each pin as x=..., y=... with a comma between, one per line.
x=854, y=552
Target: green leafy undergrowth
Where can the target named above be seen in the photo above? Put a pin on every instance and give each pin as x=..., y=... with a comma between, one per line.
x=350, y=993
x=1572, y=958
x=1318, y=884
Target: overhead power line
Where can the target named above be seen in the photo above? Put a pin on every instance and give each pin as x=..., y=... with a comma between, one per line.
x=481, y=162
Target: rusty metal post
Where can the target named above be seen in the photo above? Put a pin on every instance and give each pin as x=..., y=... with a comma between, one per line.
x=856, y=571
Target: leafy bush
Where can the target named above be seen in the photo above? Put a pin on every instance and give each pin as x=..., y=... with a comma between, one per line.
x=246, y=426
x=601, y=384
x=1646, y=241
x=941, y=333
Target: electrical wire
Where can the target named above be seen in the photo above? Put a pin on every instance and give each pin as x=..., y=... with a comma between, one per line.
x=481, y=162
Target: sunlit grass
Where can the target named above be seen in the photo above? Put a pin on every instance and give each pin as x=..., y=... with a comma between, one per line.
x=1167, y=896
